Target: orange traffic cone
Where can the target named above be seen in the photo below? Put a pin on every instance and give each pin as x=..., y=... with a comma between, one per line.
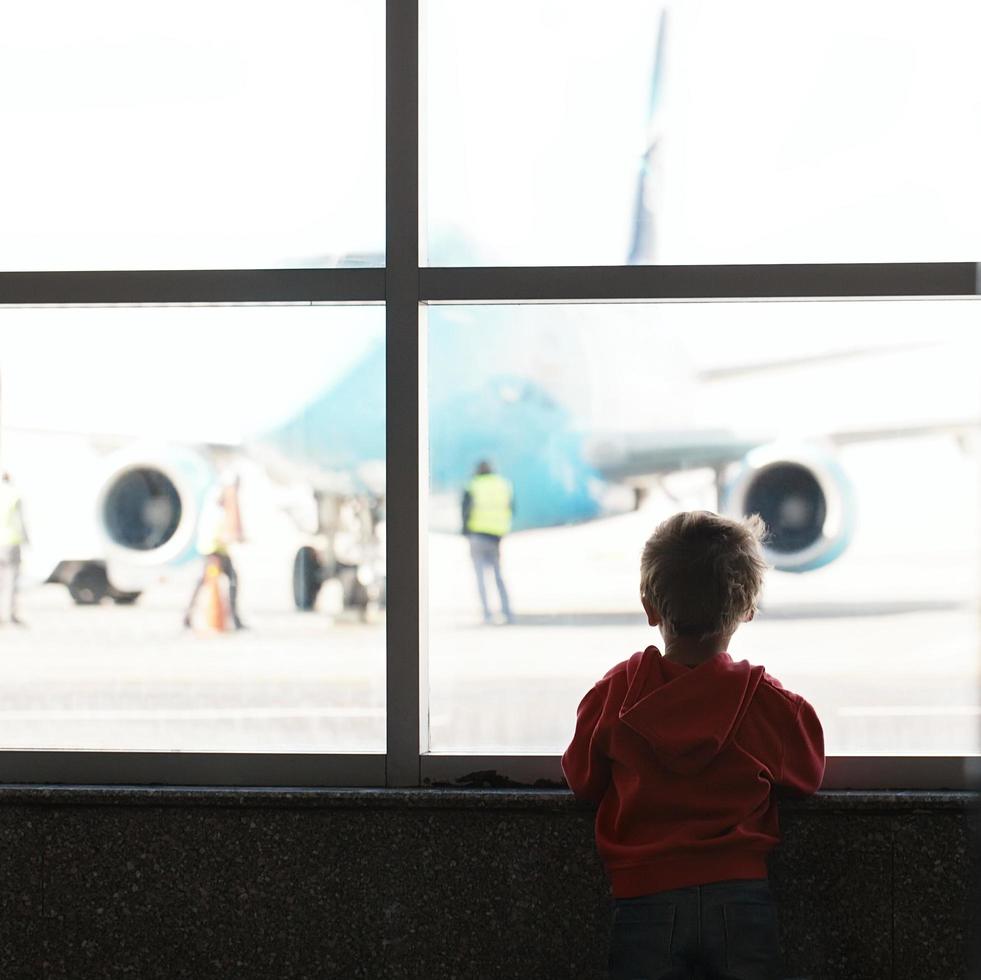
x=215, y=616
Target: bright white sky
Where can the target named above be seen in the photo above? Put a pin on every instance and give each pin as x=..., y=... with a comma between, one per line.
x=210, y=134
x=788, y=132
x=230, y=133
x=153, y=371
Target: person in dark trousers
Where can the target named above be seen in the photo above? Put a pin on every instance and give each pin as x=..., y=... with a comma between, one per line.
x=488, y=507
x=13, y=536
x=683, y=752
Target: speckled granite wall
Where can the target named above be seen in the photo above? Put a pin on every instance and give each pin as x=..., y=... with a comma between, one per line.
x=433, y=884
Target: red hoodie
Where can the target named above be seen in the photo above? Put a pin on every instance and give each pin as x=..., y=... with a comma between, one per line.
x=682, y=762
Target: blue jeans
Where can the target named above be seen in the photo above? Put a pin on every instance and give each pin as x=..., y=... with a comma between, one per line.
x=485, y=551
x=723, y=931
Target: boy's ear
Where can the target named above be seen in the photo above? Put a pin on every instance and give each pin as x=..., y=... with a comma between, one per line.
x=653, y=616
x=749, y=618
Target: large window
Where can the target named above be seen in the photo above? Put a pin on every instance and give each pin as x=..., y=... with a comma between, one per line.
x=126, y=432
x=271, y=316
x=839, y=422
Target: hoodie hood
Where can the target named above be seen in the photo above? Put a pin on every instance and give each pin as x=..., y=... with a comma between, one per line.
x=688, y=715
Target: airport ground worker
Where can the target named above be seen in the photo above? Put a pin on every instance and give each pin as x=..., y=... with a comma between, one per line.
x=13, y=535
x=488, y=507
x=219, y=527
x=684, y=753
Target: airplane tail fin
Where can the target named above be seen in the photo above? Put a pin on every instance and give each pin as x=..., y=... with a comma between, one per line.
x=643, y=239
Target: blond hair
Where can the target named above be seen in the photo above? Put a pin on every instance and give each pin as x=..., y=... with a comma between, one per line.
x=704, y=573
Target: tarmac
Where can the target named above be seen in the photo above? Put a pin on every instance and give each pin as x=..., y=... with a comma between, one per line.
x=883, y=642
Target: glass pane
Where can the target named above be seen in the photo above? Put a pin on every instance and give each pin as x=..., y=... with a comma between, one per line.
x=141, y=441
x=702, y=132
x=216, y=136
x=608, y=420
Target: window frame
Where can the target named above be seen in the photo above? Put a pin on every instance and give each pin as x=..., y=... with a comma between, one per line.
x=407, y=286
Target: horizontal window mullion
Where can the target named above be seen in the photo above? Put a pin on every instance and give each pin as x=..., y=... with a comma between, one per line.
x=637, y=283
x=194, y=286
x=843, y=772
x=492, y=771
x=495, y=284
x=192, y=768
x=919, y=772
x=922, y=773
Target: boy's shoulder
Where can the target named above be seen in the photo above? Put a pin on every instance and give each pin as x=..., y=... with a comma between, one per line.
x=634, y=662
x=771, y=693
x=623, y=671
x=771, y=683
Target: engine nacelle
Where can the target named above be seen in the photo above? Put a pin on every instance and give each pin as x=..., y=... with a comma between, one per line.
x=149, y=505
x=805, y=499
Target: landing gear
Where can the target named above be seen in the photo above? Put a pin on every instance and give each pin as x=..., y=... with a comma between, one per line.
x=123, y=598
x=88, y=584
x=350, y=554
x=363, y=591
x=307, y=578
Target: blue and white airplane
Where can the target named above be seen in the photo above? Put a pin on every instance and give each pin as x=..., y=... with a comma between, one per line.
x=584, y=410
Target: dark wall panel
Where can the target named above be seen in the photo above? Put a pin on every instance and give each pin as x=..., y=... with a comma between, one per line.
x=831, y=879
x=433, y=884
x=932, y=896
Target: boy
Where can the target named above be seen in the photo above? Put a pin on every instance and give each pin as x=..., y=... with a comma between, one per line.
x=682, y=751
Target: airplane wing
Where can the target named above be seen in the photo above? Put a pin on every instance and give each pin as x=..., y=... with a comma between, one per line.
x=622, y=457
x=752, y=368
x=959, y=428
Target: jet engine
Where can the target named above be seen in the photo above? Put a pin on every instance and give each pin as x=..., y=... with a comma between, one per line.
x=148, y=508
x=805, y=499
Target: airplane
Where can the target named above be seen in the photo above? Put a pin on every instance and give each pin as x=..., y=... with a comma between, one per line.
x=537, y=402
x=533, y=401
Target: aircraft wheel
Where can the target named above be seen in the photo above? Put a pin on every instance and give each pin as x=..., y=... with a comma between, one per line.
x=89, y=585
x=306, y=578
x=125, y=598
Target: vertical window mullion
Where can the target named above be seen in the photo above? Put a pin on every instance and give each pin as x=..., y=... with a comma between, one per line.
x=402, y=406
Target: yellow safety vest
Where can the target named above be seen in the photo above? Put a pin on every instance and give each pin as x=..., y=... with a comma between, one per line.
x=490, y=505
x=11, y=525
